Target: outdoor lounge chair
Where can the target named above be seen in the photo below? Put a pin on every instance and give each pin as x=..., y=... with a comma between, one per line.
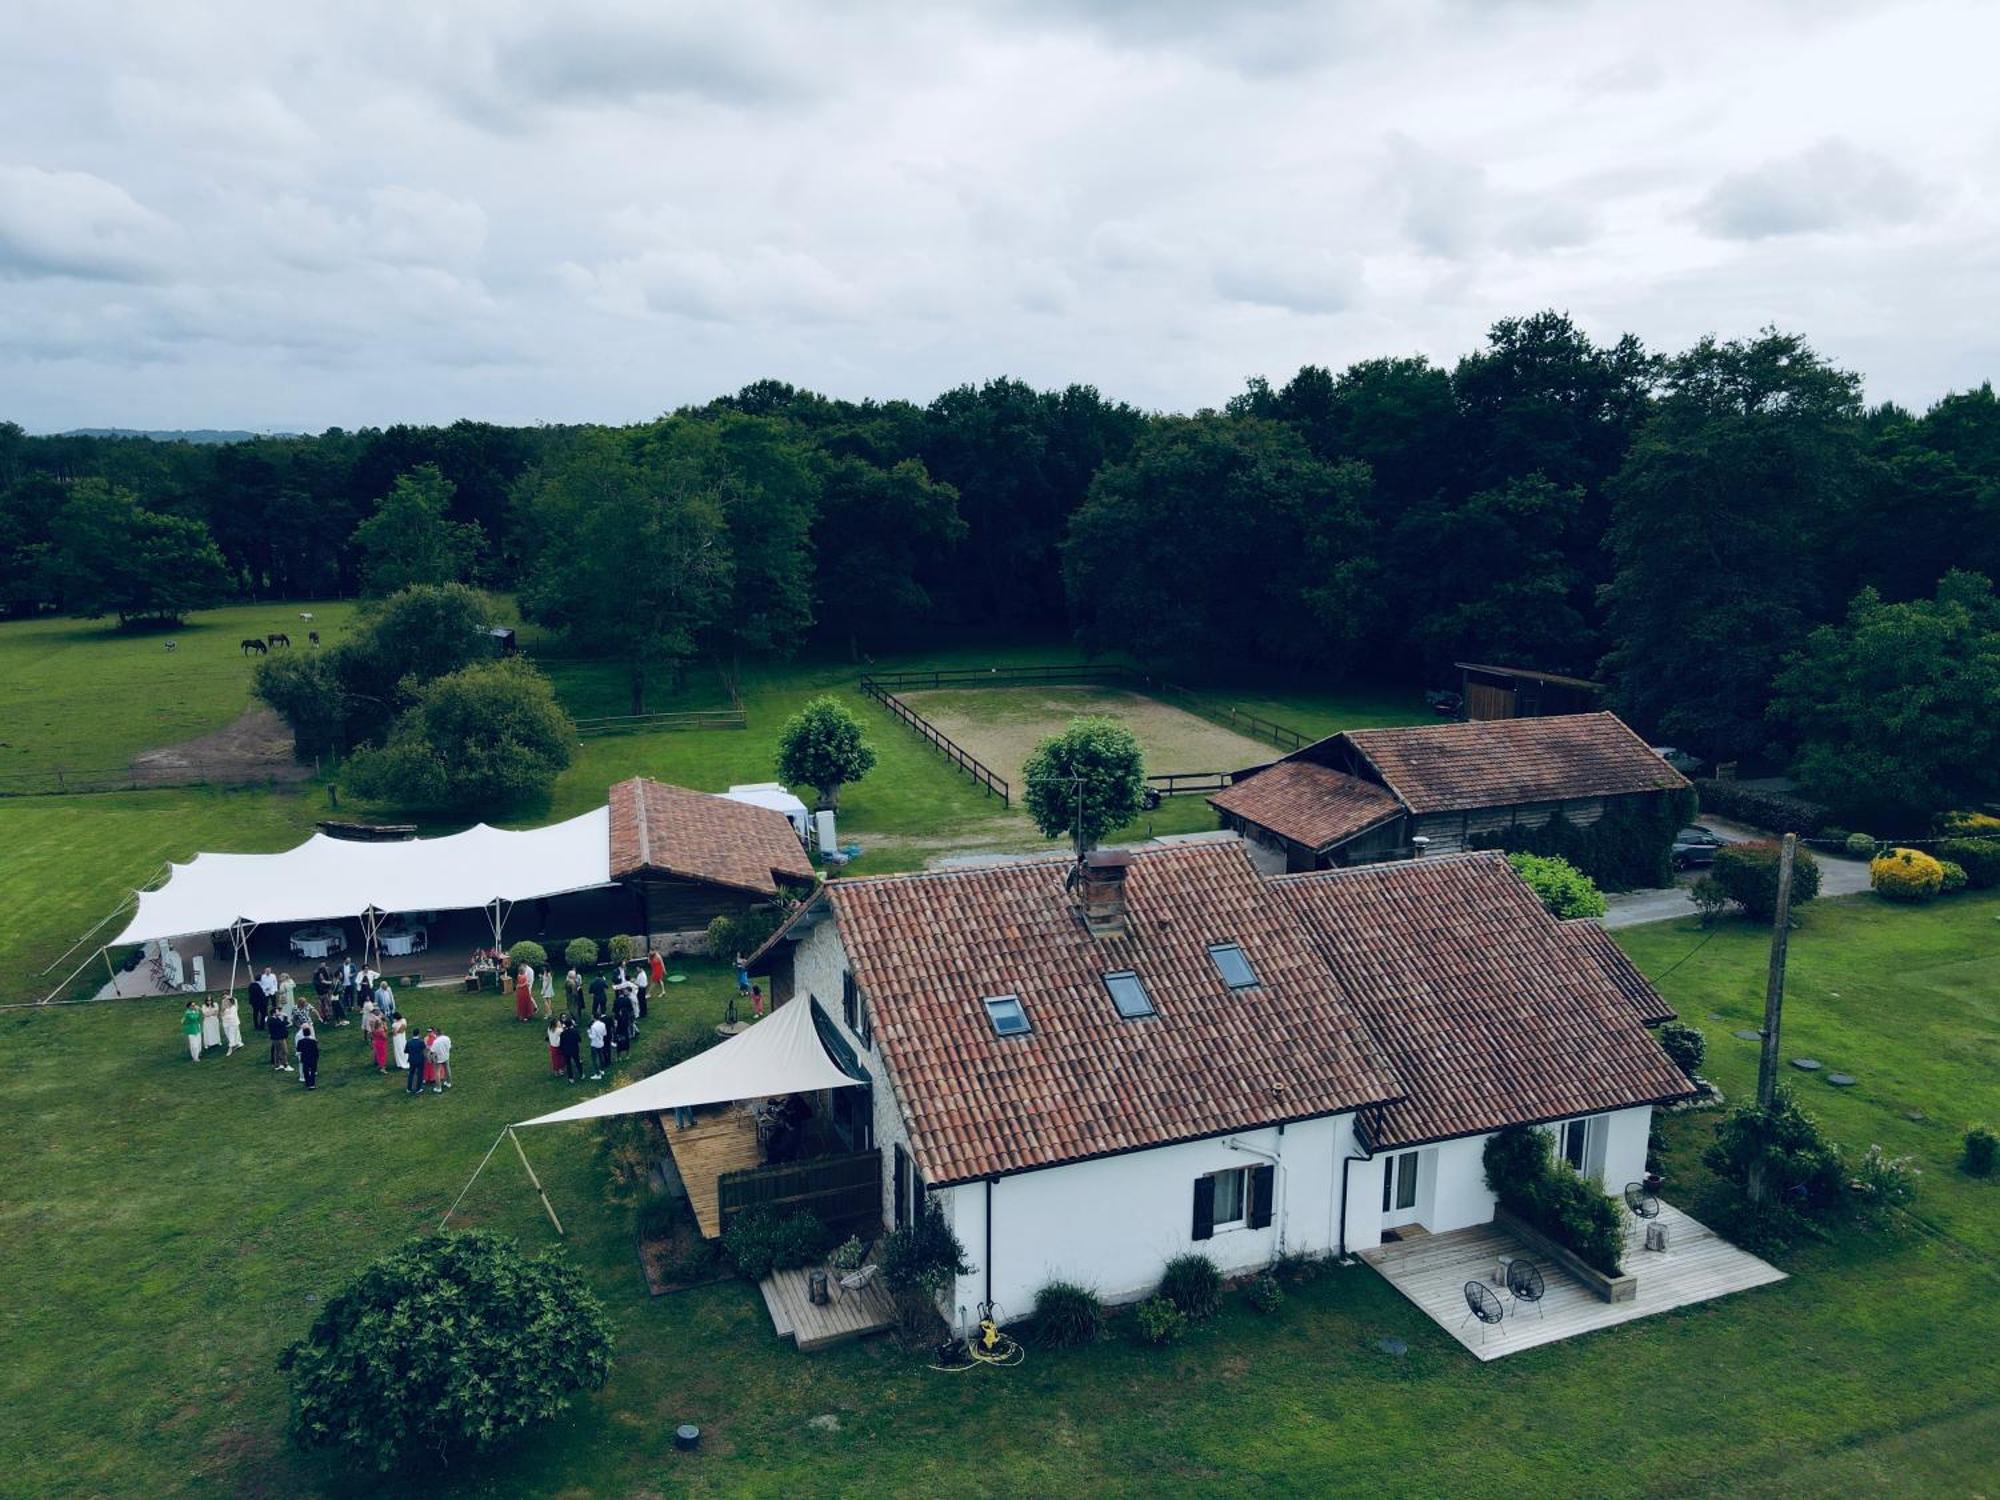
x=1484, y=1304
x=855, y=1281
x=1524, y=1283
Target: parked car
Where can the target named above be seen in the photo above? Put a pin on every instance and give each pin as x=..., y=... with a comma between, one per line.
x=1696, y=846
x=1680, y=760
x=1444, y=705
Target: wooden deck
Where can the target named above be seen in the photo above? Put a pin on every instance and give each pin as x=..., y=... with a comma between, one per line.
x=848, y=1315
x=1431, y=1270
x=718, y=1141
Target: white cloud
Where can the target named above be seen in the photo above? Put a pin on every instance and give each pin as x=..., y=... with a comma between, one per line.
x=259, y=212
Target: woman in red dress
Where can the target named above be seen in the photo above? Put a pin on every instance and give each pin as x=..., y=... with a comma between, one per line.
x=524, y=994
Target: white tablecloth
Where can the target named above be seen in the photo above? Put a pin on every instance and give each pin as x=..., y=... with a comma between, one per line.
x=398, y=944
x=316, y=943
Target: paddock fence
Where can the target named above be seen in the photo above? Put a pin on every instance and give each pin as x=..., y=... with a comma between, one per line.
x=956, y=753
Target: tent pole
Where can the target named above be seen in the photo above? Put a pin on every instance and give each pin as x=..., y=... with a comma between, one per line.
x=474, y=1177
x=534, y=1179
x=68, y=981
x=85, y=938
x=113, y=973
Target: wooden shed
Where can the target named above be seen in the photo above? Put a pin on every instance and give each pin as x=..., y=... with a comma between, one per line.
x=1521, y=693
x=689, y=857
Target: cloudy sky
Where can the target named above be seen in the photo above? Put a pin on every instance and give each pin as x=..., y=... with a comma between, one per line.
x=272, y=215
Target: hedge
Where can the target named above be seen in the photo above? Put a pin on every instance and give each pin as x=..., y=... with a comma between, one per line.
x=1979, y=858
x=1524, y=1175
x=1748, y=875
x=1780, y=812
x=1630, y=847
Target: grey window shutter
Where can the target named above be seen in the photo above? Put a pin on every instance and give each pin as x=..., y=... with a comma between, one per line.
x=1263, y=1185
x=1204, y=1208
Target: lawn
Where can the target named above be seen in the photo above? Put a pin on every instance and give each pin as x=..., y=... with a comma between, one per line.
x=176, y=1224
x=84, y=695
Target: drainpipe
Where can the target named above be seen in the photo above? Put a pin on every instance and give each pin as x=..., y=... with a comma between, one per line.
x=1367, y=1154
x=1276, y=1159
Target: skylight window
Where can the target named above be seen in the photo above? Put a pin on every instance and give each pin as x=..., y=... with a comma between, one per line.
x=1007, y=1015
x=1233, y=966
x=1128, y=994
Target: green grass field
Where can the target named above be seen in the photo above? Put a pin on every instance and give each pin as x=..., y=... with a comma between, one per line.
x=173, y=1225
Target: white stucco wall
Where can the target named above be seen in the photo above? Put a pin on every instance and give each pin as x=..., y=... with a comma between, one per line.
x=1625, y=1147
x=1113, y=1223
x=818, y=962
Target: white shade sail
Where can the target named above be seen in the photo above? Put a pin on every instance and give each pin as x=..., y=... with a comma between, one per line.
x=328, y=877
x=781, y=1054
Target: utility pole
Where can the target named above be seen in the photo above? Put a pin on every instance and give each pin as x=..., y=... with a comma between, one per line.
x=1774, y=995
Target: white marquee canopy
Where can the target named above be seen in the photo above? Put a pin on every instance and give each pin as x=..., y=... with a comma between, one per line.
x=781, y=1054
x=328, y=877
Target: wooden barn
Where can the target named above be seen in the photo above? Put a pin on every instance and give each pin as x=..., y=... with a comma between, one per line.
x=1373, y=794
x=689, y=857
x=1518, y=693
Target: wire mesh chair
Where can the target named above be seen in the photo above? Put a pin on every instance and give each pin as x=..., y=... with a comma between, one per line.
x=1524, y=1284
x=1483, y=1303
x=1642, y=1203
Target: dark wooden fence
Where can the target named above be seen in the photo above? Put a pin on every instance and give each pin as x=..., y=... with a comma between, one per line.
x=958, y=754
x=693, y=718
x=1188, y=783
x=843, y=1192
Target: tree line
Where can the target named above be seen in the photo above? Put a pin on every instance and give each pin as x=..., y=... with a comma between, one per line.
x=1687, y=526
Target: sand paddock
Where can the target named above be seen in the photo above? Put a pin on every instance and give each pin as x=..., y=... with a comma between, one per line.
x=1002, y=725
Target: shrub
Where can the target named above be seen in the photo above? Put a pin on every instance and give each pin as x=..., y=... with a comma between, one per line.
x=1779, y=812
x=1883, y=1183
x=1954, y=877
x=759, y=1242
x=1908, y=875
x=624, y=948
x=1631, y=845
x=1068, y=1315
x=1160, y=1322
x=1709, y=899
x=1265, y=1294
x=821, y=745
x=1524, y=1175
x=1299, y=1266
x=1799, y=1163
x=848, y=1254
x=1860, y=845
x=528, y=951
x=656, y=1217
x=580, y=953
x=1686, y=1045
x=1976, y=825
x=486, y=737
x=1564, y=889
x=1982, y=1148
x=746, y=933
x=1748, y=875
x=452, y=1344
x=925, y=1256
x=1979, y=858
x=1193, y=1284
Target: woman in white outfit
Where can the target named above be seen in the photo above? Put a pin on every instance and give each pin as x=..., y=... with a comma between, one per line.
x=232, y=1024
x=211, y=1025
x=399, y=1044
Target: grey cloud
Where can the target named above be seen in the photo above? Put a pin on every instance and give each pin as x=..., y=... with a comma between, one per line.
x=76, y=224
x=1304, y=281
x=1833, y=185
x=1443, y=199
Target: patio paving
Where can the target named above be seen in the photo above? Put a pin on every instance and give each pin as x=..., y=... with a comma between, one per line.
x=1431, y=1270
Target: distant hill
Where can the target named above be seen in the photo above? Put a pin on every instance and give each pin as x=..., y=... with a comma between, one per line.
x=177, y=435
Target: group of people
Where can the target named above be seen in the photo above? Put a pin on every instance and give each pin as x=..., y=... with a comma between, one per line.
x=617, y=1005
x=292, y=1023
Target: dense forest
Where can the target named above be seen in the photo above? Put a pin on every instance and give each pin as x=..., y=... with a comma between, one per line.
x=1692, y=527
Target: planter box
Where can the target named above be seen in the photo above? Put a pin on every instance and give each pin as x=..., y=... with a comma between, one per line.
x=1623, y=1288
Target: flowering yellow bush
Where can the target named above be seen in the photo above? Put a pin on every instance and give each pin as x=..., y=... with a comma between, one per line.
x=1972, y=825
x=1905, y=875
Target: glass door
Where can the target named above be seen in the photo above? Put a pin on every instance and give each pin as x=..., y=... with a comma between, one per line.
x=1399, y=1189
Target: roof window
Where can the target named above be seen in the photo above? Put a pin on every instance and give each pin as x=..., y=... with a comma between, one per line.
x=1128, y=994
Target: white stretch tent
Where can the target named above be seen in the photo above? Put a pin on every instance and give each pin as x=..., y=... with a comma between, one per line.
x=328, y=877
x=781, y=1054
x=770, y=794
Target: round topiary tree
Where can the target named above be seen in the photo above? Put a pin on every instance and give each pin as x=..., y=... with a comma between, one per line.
x=1086, y=782
x=1748, y=873
x=1861, y=846
x=1905, y=875
x=624, y=948
x=528, y=951
x=1686, y=1045
x=580, y=952
x=450, y=1345
x=821, y=746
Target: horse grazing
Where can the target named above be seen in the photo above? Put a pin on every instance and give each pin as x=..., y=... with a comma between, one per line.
x=170, y=645
x=279, y=638
x=253, y=644
x=313, y=636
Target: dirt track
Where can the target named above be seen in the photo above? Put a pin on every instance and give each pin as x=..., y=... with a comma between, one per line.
x=253, y=748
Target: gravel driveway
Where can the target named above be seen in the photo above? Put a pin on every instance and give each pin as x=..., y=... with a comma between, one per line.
x=1838, y=876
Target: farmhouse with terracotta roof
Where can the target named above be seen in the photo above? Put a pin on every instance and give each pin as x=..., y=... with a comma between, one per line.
x=1376, y=794
x=1093, y=1068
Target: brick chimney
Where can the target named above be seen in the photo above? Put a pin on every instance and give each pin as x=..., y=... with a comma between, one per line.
x=1102, y=877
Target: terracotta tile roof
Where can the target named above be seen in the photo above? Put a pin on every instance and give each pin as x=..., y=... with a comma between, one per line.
x=1621, y=971
x=928, y=949
x=1501, y=762
x=1309, y=804
x=1491, y=1011
x=670, y=830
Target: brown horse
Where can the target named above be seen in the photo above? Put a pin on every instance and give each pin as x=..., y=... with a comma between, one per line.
x=253, y=644
x=278, y=638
